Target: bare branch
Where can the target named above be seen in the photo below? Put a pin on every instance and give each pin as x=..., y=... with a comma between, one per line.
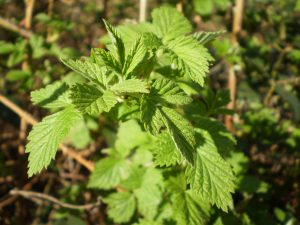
x=232, y=81
x=6, y=24
x=31, y=195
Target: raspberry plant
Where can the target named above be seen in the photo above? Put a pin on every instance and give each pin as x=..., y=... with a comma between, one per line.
x=167, y=161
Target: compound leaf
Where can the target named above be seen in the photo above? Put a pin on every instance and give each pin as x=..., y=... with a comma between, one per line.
x=130, y=32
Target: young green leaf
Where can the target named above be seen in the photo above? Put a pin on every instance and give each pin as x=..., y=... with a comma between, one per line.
x=190, y=57
x=110, y=61
x=130, y=86
x=165, y=152
x=211, y=176
x=79, y=135
x=129, y=136
x=18, y=75
x=89, y=99
x=121, y=206
x=55, y=95
x=46, y=136
x=136, y=54
x=204, y=7
x=151, y=116
x=188, y=209
x=116, y=42
x=147, y=222
x=168, y=91
x=163, y=91
x=169, y=23
x=6, y=47
x=205, y=37
x=134, y=179
x=108, y=173
x=181, y=132
x=149, y=194
x=130, y=32
x=223, y=140
x=88, y=70
x=151, y=41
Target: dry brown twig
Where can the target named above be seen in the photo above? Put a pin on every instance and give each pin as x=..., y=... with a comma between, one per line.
x=28, y=13
x=22, y=136
x=31, y=195
x=46, y=190
x=11, y=199
x=179, y=6
x=143, y=10
x=26, y=116
x=293, y=80
x=232, y=82
x=25, y=66
x=6, y=24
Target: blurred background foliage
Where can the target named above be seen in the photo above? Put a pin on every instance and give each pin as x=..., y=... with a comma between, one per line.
x=266, y=61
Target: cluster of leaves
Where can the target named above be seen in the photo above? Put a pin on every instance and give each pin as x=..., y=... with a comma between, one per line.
x=26, y=61
x=267, y=68
x=34, y=50
x=168, y=158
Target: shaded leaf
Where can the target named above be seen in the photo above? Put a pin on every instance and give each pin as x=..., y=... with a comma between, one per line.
x=89, y=99
x=54, y=95
x=165, y=151
x=168, y=91
x=211, y=176
x=205, y=37
x=180, y=131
